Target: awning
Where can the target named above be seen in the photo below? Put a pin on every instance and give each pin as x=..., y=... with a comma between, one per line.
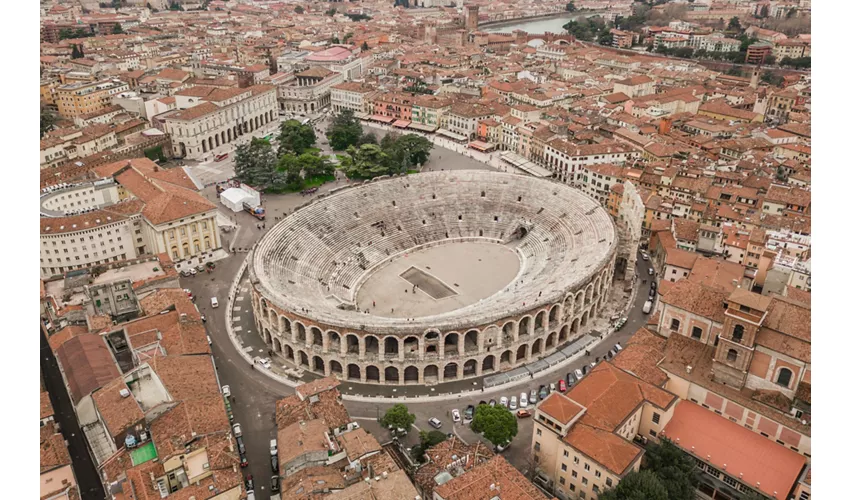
x=525, y=164
x=423, y=128
x=361, y=116
x=401, y=123
x=481, y=146
x=452, y=135
x=382, y=119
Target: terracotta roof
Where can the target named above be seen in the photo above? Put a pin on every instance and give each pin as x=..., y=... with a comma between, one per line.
x=745, y=455
x=53, y=453
x=605, y=448
x=46, y=405
x=87, y=363
x=509, y=483
x=358, y=443
x=119, y=413
x=641, y=356
x=681, y=258
x=698, y=299
x=311, y=483
x=304, y=391
x=716, y=273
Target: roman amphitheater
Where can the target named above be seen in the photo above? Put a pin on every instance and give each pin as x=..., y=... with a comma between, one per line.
x=432, y=277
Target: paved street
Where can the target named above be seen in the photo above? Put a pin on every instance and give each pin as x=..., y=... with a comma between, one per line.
x=255, y=393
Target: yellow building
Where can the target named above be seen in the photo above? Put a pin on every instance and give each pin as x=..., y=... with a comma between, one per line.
x=75, y=99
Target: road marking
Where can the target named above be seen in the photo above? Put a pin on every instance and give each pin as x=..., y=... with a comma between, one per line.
x=237, y=308
x=239, y=299
x=237, y=328
x=365, y=418
x=237, y=318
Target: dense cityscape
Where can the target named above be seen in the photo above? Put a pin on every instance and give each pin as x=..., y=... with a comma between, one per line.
x=425, y=249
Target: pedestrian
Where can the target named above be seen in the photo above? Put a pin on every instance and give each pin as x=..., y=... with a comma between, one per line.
x=405, y=290
x=373, y=303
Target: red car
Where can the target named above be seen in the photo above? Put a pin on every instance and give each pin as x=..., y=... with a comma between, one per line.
x=562, y=386
x=221, y=157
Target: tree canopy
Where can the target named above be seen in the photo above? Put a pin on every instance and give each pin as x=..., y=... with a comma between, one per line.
x=497, y=423
x=734, y=24
x=398, y=417
x=256, y=164
x=665, y=469
x=365, y=162
x=295, y=137
x=643, y=485
x=299, y=9
x=345, y=130
x=427, y=440
x=47, y=120
x=407, y=151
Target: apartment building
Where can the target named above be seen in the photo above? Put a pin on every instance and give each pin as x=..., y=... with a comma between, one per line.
x=350, y=95
x=81, y=98
x=61, y=146
x=310, y=91
x=463, y=118
x=564, y=158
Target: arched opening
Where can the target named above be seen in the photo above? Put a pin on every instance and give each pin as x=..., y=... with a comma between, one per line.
x=784, y=378
x=371, y=344
x=411, y=346
x=431, y=373
x=373, y=374
x=391, y=375
x=535, y=347
x=584, y=318
x=574, y=329
x=568, y=306
x=470, y=342
x=431, y=349
x=489, y=363
x=318, y=364
x=508, y=330
x=738, y=333
x=275, y=344
x=538, y=321
x=287, y=326
x=524, y=326
x=450, y=344
x=288, y=353
x=469, y=368
x=336, y=367
x=411, y=375
x=593, y=311
x=352, y=344
x=550, y=340
x=554, y=315
x=315, y=336
x=391, y=347
x=302, y=333
x=505, y=359
x=579, y=299
x=353, y=372
x=522, y=353
x=334, y=341
x=303, y=359
x=267, y=336
x=450, y=371
x=732, y=356
x=273, y=319
x=432, y=335
x=565, y=332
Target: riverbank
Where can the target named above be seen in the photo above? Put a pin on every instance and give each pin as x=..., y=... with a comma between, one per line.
x=545, y=21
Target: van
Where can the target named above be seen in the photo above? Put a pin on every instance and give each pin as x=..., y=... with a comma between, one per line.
x=251, y=495
x=214, y=302
x=647, y=306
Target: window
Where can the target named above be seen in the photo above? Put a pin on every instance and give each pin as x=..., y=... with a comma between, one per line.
x=572, y=487
x=536, y=446
x=696, y=333
x=608, y=482
x=584, y=480
x=562, y=480
x=587, y=467
x=598, y=474
x=732, y=356
x=738, y=333
x=575, y=474
x=564, y=467
x=784, y=378
x=566, y=453
x=656, y=418
x=539, y=432
x=575, y=459
x=652, y=433
x=674, y=325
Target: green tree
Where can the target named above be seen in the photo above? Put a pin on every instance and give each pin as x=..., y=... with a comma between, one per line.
x=369, y=138
x=330, y=12
x=497, y=423
x=673, y=467
x=426, y=441
x=407, y=151
x=347, y=37
x=643, y=485
x=314, y=165
x=771, y=78
x=398, y=417
x=734, y=24
x=334, y=40
x=571, y=7
x=295, y=137
x=605, y=38
x=345, y=130
x=117, y=30
x=299, y=9
x=47, y=120
x=76, y=51
x=770, y=60
x=366, y=162
x=256, y=165
x=364, y=47
x=289, y=170
x=65, y=34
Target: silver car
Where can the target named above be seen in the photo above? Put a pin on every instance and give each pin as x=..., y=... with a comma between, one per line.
x=532, y=398
x=513, y=405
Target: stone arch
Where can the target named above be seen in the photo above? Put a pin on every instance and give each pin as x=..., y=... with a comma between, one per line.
x=303, y=359
x=431, y=373
x=508, y=330
x=318, y=364
x=525, y=325
x=731, y=356
x=488, y=364
x=450, y=371
x=288, y=353
x=334, y=341
x=352, y=344
x=579, y=301
x=285, y=325
x=551, y=340
x=373, y=374
x=264, y=308
x=535, y=347
x=274, y=320
x=275, y=344
x=411, y=346
x=353, y=372
x=569, y=303
x=521, y=353
x=555, y=315
x=391, y=374
x=564, y=335
x=372, y=345
x=584, y=318
x=300, y=332
x=470, y=342
x=432, y=335
x=267, y=336
x=411, y=375
x=336, y=367
x=588, y=294
x=390, y=346
x=784, y=377
x=593, y=311
x=470, y=367
x=315, y=335
x=539, y=320
x=451, y=344
x=506, y=358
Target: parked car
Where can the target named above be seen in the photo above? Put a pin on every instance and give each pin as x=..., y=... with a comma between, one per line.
x=611, y=354
x=513, y=404
x=275, y=486
x=435, y=423
x=225, y=391
x=214, y=302
x=249, y=482
x=644, y=256
x=240, y=444
x=265, y=363
x=274, y=464
x=237, y=430
x=185, y=273
x=618, y=347
x=273, y=446
x=571, y=379
x=585, y=369
x=651, y=293
x=542, y=392
x=492, y=402
x=469, y=412
x=651, y=271
x=192, y=271
x=653, y=285
x=523, y=414
x=532, y=398
x=209, y=340
x=243, y=460
x=562, y=386
x=503, y=401
x=523, y=400
x=221, y=157
x=502, y=447
x=455, y=415
x=647, y=306
x=579, y=375
x=482, y=402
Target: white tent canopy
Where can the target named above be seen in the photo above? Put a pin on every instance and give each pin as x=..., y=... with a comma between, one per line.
x=234, y=197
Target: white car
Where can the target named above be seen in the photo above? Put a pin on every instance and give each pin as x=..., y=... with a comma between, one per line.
x=513, y=403
x=225, y=390
x=532, y=398
x=265, y=363
x=455, y=415
x=237, y=430
x=273, y=446
x=651, y=271
x=523, y=400
x=644, y=256
x=578, y=375
x=503, y=401
x=192, y=271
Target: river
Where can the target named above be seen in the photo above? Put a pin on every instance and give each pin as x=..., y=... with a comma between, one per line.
x=533, y=26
